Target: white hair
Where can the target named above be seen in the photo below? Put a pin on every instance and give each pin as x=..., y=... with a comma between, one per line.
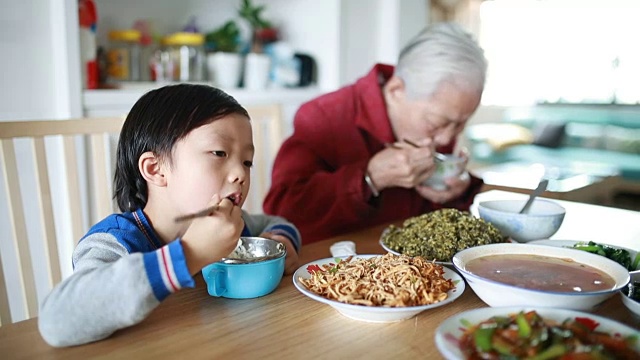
x=441, y=52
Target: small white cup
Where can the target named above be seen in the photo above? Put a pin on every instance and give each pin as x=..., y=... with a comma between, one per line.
x=343, y=248
x=256, y=71
x=225, y=69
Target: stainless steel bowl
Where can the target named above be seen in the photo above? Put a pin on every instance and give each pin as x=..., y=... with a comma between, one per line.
x=255, y=249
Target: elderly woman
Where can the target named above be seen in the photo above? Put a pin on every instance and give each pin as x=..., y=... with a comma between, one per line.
x=347, y=165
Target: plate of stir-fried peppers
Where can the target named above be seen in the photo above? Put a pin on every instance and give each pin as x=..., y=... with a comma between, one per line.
x=537, y=334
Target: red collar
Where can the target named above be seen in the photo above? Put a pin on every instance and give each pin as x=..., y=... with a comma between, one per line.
x=371, y=112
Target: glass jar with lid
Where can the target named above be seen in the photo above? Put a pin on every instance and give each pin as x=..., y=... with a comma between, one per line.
x=187, y=55
x=123, y=56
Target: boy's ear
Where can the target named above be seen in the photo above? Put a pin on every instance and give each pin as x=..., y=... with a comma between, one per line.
x=151, y=169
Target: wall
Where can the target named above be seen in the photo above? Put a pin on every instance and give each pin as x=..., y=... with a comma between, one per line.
x=374, y=31
x=37, y=69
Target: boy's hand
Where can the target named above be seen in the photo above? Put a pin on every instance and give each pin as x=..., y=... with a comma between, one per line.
x=291, y=263
x=210, y=238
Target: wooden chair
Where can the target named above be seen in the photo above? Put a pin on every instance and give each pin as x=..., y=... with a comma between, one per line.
x=268, y=135
x=32, y=227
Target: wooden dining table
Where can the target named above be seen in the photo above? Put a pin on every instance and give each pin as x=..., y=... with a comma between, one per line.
x=191, y=324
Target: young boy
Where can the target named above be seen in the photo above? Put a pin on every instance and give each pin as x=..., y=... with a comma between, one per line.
x=182, y=148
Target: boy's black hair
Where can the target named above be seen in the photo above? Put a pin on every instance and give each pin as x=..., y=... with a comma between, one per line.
x=156, y=122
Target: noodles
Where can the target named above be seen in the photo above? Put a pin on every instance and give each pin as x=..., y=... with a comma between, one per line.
x=387, y=281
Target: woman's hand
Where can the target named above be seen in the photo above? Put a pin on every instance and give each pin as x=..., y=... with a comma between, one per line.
x=456, y=186
x=402, y=165
x=291, y=263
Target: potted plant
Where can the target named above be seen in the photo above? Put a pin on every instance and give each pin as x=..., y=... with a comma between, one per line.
x=224, y=63
x=262, y=31
x=226, y=38
x=258, y=64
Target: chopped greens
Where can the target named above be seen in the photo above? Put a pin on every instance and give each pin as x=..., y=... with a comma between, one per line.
x=621, y=256
x=440, y=234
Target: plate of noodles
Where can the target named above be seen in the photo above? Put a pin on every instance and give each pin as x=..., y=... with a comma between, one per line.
x=379, y=288
x=541, y=333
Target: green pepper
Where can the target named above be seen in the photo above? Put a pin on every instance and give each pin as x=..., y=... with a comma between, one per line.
x=551, y=352
x=482, y=337
x=524, y=329
x=502, y=346
x=501, y=321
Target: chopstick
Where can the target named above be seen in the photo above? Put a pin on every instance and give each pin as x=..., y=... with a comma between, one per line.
x=436, y=155
x=411, y=143
x=201, y=213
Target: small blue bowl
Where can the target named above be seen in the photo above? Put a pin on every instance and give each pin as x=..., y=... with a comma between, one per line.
x=250, y=280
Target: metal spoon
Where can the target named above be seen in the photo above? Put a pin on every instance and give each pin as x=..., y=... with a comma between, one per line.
x=539, y=190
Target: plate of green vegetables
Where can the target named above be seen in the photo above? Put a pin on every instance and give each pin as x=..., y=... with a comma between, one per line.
x=628, y=258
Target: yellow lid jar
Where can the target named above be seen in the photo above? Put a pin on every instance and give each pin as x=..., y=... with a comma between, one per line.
x=186, y=51
x=123, y=55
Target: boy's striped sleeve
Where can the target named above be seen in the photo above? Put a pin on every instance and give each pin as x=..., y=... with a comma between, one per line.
x=167, y=270
x=288, y=231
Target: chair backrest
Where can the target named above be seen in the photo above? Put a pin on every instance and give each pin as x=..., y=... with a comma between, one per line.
x=268, y=135
x=77, y=154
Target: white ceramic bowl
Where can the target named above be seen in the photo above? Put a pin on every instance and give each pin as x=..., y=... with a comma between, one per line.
x=632, y=305
x=541, y=221
x=377, y=314
x=452, y=166
x=449, y=333
x=496, y=294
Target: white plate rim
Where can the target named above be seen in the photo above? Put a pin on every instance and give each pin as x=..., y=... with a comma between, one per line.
x=448, y=273
x=631, y=304
x=452, y=328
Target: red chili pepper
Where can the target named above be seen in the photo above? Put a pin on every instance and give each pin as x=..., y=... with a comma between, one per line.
x=313, y=268
x=589, y=323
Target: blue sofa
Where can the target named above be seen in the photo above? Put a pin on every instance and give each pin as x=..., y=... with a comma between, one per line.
x=597, y=140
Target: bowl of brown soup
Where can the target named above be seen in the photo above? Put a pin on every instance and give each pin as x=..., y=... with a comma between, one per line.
x=543, y=276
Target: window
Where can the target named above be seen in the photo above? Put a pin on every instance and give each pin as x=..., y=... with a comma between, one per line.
x=561, y=51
